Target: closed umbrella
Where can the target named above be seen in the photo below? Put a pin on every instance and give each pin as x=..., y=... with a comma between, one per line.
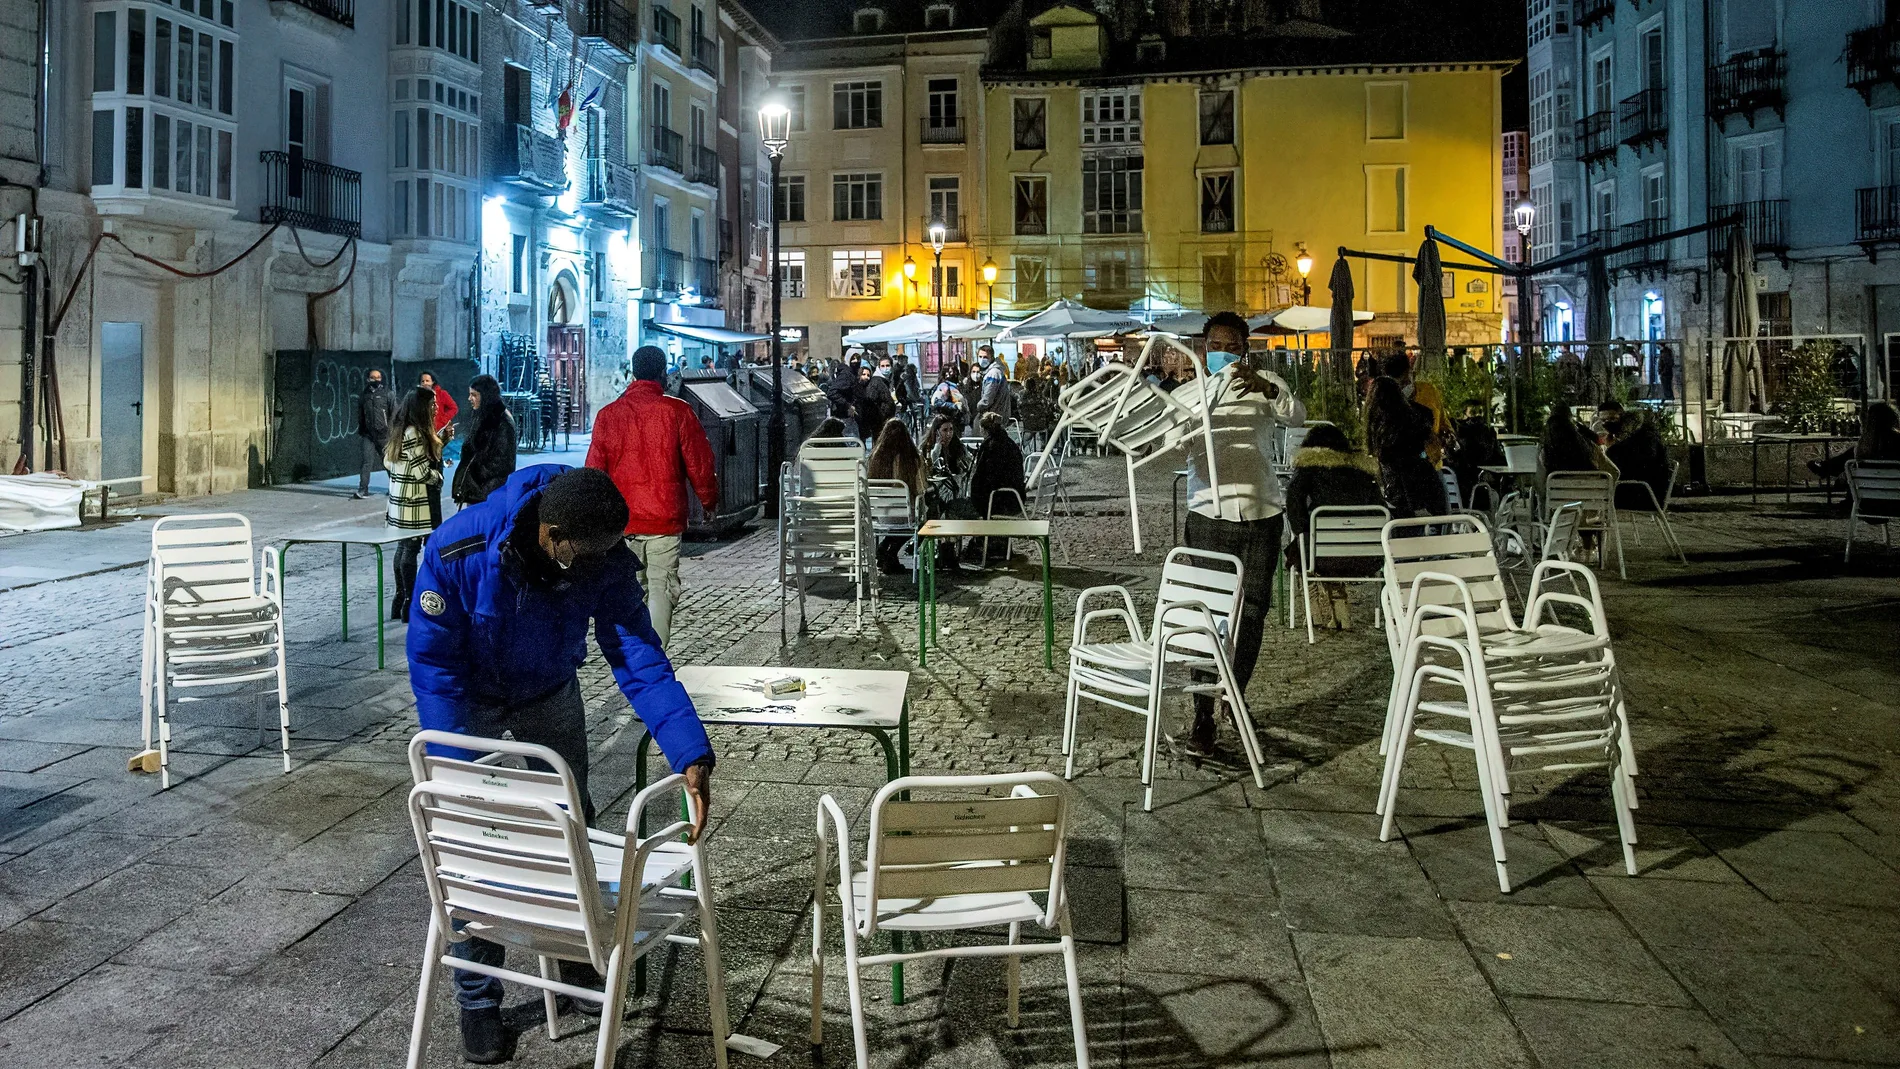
x=1341, y=323
x=1742, y=387
x=1429, y=274
x=1597, y=330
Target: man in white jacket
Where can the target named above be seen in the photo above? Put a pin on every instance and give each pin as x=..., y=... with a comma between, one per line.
x=1249, y=407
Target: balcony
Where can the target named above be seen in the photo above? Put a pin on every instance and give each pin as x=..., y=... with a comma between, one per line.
x=952, y=229
x=941, y=130
x=1643, y=257
x=665, y=31
x=706, y=55
x=669, y=270
x=706, y=280
x=1596, y=136
x=609, y=188
x=534, y=161
x=309, y=195
x=1766, y=222
x=704, y=167
x=1032, y=223
x=341, y=12
x=1643, y=118
x=1747, y=83
x=1873, y=58
x=668, y=150
x=611, y=24
x=1877, y=215
x=1591, y=12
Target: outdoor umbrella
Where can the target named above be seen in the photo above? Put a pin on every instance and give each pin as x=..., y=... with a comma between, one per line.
x=1066, y=318
x=915, y=327
x=1597, y=331
x=1429, y=274
x=1342, y=318
x=1742, y=387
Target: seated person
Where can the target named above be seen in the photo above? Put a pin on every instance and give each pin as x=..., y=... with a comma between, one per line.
x=1329, y=470
x=1473, y=445
x=1636, y=448
x=1879, y=440
x=999, y=466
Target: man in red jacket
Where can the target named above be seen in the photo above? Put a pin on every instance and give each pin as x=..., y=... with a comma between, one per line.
x=652, y=446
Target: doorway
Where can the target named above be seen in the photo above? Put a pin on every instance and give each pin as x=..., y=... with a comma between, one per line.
x=121, y=400
x=566, y=357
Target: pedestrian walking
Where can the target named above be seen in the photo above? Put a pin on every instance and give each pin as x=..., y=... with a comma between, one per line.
x=490, y=456
x=654, y=449
x=994, y=394
x=414, y=460
x=375, y=410
x=505, y=594
x=445, y=432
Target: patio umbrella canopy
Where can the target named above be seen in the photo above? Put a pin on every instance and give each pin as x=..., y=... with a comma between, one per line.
x=915, y=327
x=1428, y=272
x=1066, y=318
x=1342, y=318
x=1742, y=387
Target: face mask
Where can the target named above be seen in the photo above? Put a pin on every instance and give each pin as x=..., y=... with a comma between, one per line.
x=1407, y=391
x=1216, y=360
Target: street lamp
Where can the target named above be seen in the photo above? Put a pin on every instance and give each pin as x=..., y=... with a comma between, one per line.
x=937, y=233
x=1304, y=261
x=989, y=279
x=775, y=133
x=1523, y=216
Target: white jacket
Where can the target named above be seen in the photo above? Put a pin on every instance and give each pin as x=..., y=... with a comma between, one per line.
x=1244, y=430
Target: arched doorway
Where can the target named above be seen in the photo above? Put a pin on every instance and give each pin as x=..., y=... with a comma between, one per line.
x=566, y=354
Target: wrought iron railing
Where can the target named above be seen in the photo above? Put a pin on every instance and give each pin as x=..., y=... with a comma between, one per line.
x=667, y=150
x=338, y=11
x=1766, y=222
x=669, y=270
x=1642, y=255
x=1589, y=12
x=706, y=280
x=310, y=195
x=1873, y=56
x=952, y=228
x=1748, y=82
x=1643, y=117
x=705, y=166
x=666, y=30
x=612, y=23
x=941, y=130
x=1596, y=136
x=1877, y=214
x=706, y=55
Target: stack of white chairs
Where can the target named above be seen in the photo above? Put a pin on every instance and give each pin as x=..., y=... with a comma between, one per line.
x=825, y=522
x=895, y=511
x=1337, y=533
x=213, y=618
x=1139, y=419
x=1196, y=619
x=1596, y=492
x=1659, y=509
x=948, y=865
x=1874, y=488
x=1539, y=695
x=507, y=854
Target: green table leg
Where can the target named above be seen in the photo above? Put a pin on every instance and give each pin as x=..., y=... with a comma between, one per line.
x=343, y=550
x=379, y=608
x=903, y=738
x=1048, y=610
x=897, y=970
x=926, y=562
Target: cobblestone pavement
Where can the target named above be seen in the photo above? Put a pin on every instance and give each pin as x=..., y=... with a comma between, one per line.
x=249, y=918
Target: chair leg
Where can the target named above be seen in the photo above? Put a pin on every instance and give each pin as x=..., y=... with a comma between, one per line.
x=145, y=683
x=425, y=994
x=1069, y=711
x=1073, y=975
x=283, y=696
x=1134, y=511
x=1151, y=739
x=715, y=966
x=1243, y=720
x=854, y=983
x=1625, y=820
x=548, y=1003
x=1388, y=805
x=161, y=674
x=1306, y=599
x=613, y=1009
x=818, y=956
x=1013, y=975
x=1493, y=800
x=1616, y=532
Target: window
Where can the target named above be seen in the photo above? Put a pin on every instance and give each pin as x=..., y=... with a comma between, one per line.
x=518, y=263
x=942, y=103
x=1655, y=195
x=857, y=105
x=1542, y=121
x=1217, y=116
x=1754, y=171
x=791, y=272
x=1385, y=199
x=1217, y=283
x=1111, y=271
x=857, y=273
x=1032, y=281
x=949, y=286
x=597, y=276
x=1603, y=206
x=1111, y=194
x=517, y=88
x=662, y=106
x=1111, y=117
x=1032, y=204
x=104, y=162
x=1217, y=202
x=1602, y=88
x=1041, y=43
x=1031, y=123
x=105, y=53
x=867, y=20
x=795, y=101
x=857, y=197
x=945, y=195
x=450, y=25
x=791, y=198
x=939, y=16
x=1655, y=64
x=1385, y=111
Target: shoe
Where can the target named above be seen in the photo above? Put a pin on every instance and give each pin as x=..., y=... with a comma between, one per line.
x=485, y=1040
x=580, y=974
x=359, y=496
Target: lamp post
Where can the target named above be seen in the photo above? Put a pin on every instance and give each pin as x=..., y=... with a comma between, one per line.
x=989, y=279
x=937, y=233
x=1523, y=216
x=1304, y=261
x=775, y=133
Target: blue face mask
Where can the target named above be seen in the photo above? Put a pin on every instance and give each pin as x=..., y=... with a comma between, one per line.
x=1216, y=360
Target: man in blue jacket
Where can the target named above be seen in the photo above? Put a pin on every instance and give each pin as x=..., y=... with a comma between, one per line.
x=498, y=628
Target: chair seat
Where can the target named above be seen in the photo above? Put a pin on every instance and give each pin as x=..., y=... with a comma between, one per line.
x=1121, y=656
x=943, y=914
x=664, y=865
x=255, y=605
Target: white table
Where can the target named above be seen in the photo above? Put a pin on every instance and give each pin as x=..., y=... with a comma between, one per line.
x=375, y=537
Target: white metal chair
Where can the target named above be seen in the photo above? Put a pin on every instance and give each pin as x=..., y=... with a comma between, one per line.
x=1337, y=533
x=824, y=528
x=895, y=511
x=1521, y=456
x=1873, y=487
x=1659, y=510
x=1046, y=491
x=969, y=862
x=506, y=854
x=1596, y=492
x=1197, y=616
x=213, y=618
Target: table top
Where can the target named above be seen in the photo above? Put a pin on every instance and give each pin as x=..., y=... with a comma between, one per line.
x=1509, y=439
x=1789, y=436
x=985, y=528
x=832, y=698
x=1506, y=469
x=360, y=534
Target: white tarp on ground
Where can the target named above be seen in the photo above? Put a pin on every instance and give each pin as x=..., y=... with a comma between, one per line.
x=38, y=503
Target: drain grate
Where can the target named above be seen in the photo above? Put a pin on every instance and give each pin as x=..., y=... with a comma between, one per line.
x=1007, y=614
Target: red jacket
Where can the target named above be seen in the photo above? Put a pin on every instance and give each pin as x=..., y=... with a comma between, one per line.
x=653, y=447
x=445, y=408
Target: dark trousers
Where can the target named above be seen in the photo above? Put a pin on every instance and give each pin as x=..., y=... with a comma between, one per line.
x=1257, y=544
x=559, y=722
x=372, y=460
x=408, y=557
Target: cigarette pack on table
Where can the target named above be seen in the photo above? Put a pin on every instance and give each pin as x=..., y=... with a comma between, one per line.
x=783, y=686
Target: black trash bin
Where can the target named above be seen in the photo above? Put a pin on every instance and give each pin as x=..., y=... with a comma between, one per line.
x=737, y=431
x=805, y=407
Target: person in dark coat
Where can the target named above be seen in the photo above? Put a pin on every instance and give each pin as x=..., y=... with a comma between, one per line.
x=489, y=457
x=1636, y=448
x=1329, y=471
x=842, y=391
x=876, y=403
x=999, y=466
x=1474, y=444
x=375, y=411
x=1397, y=432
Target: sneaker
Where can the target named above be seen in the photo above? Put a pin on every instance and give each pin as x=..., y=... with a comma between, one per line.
x=485, y=1040
x=580, y=974
x=359, y=496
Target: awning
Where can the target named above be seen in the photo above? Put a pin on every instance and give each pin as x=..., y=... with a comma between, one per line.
x=709, y=335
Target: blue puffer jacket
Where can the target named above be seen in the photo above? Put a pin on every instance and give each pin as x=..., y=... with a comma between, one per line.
x=481, y=634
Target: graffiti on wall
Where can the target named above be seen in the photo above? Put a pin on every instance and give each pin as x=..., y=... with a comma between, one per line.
x=334, y=389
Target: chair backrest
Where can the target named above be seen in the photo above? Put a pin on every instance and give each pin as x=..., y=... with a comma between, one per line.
x=1875, y=485
x=1669, y=492
x=1560, y=534
x=974, y=844
x=989, y=508
x=1457, y=546
x=506, y=848
x=830, y=474
x=892, y=504
x=1292, y=439
x=1198, y=575
x=1594, y=490
x=1335, y=532
x=1521, y=456
x=1453, y=497
x=204, y=558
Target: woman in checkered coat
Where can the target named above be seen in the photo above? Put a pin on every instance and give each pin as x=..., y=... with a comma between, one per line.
x=414, y=461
